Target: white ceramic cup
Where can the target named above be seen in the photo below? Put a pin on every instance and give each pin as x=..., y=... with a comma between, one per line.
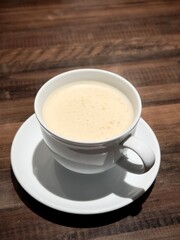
x=94, y=157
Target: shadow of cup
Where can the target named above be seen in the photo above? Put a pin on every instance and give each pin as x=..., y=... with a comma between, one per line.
x=79, y=187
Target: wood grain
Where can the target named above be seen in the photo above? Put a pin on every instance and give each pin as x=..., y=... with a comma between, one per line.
x=140, y=40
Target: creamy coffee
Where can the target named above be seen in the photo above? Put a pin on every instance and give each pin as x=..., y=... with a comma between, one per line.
x=87, y=111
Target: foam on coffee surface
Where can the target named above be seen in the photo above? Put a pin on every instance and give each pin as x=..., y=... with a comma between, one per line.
x=87, y=111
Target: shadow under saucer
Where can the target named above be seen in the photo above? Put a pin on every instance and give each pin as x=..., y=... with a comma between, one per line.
x=72, y=199
x=79, y=220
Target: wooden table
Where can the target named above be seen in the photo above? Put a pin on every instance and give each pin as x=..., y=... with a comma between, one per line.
x=139, y=40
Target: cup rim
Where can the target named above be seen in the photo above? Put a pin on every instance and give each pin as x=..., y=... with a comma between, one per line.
x=86, y=143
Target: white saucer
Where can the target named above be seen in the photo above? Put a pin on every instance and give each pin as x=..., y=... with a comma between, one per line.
x=53, y=185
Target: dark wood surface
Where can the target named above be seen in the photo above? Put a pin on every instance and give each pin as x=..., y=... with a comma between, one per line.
x=139, y=40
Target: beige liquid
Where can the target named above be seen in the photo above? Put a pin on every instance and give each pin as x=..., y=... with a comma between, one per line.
x=87, y=111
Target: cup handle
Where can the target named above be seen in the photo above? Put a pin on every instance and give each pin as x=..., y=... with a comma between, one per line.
x=145, y=153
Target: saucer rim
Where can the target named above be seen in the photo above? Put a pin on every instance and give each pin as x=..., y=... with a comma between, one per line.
x=81, y=206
